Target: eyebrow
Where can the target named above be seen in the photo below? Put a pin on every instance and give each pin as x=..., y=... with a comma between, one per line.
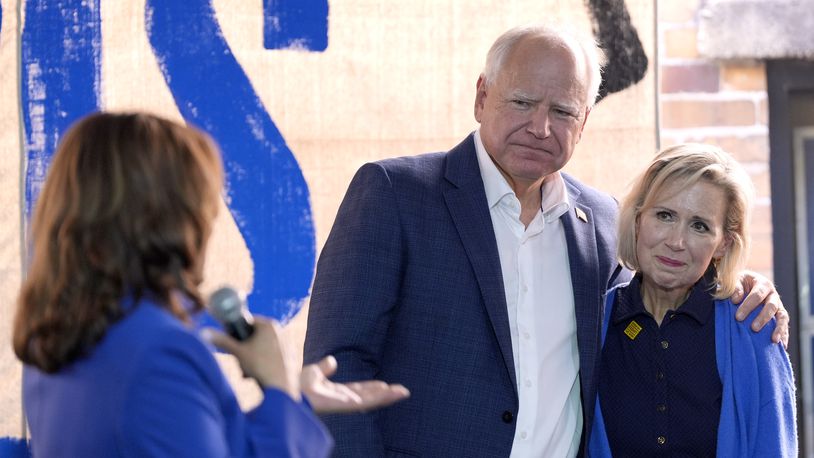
x=517, y=94
x=573, y=109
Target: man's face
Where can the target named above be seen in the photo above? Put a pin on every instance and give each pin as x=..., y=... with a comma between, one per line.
x=532, y=115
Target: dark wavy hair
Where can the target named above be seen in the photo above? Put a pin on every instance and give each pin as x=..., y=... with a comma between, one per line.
x=126, y=210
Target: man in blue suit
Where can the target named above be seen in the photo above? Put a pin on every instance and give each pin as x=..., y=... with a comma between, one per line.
x=475, y=277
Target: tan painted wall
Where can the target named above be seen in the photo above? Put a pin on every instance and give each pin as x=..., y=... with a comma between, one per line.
x=397, y=78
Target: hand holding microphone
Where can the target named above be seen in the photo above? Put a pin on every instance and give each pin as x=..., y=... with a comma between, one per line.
x=255, y=342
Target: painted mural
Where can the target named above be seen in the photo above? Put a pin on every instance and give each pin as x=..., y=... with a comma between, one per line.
x=298, y=94
x=266, y=192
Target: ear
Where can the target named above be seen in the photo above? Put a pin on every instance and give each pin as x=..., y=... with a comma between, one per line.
x=723, y=247
x=582, y=127
x=480, y=97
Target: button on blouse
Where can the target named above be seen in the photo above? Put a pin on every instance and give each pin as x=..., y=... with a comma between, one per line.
x=659, y=387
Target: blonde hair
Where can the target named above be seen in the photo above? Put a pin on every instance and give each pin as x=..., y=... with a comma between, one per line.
x=684, y=165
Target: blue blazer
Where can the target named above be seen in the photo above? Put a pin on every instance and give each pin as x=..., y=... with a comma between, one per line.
x=409, y=289
x=151, y=387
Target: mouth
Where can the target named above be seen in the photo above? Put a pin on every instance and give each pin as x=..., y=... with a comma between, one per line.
x=669, y=262
x=533, y=150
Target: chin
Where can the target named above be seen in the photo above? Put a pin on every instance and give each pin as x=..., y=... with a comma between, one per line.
x=665, y=282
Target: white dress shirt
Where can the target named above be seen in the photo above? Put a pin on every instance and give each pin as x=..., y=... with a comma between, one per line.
x=540, y=303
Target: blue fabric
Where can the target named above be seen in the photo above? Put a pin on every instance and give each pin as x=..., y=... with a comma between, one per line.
x=758, y=416
x=14, y=448
x=409, y=289
x=672, y=393
x=151, y=387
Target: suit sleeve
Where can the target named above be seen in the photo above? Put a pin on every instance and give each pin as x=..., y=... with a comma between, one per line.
x=355, y=291
x=620, y=274
x=181, y=405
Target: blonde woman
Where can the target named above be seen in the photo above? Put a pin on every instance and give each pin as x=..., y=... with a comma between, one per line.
x=679, y=376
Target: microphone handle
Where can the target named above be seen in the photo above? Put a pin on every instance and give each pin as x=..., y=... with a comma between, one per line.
x=240, y=330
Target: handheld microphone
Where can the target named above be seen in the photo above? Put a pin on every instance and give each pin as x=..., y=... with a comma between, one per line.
x=229, y=309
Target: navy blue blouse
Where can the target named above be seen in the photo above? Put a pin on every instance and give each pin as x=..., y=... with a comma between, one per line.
x=659, y=386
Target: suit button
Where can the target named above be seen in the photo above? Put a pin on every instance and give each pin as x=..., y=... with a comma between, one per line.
x=507, y=417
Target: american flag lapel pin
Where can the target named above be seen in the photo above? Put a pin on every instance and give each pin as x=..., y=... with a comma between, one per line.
x=581, y=214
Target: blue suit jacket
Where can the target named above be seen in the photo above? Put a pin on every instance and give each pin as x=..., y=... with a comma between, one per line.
x=151, y=387
x=409, y=289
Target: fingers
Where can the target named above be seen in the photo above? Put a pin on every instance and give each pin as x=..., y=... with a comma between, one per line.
x=382, y=394
x=781, y=331
x=263, y=356
x=738, y=296
x=772, y=308
x=220, y=340
x=326, y=396
x=329, y=397
x=766, y=314
x=375, y=393
x=327, y=365
x=311, y=378
x=756, y=296
x=271, y=358
x=761, y=290
x=261, y=321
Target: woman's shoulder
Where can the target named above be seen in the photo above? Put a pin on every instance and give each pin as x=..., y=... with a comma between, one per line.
x=726, y=309
x=149, y=333
x=164, y=351
x=149, y=321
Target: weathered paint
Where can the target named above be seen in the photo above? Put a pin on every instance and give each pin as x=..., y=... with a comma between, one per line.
x=61, y=74
x=14, y=448
x=266, y=191
x=302, y=24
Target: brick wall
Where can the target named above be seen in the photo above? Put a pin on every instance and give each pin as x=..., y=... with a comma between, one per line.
x=719, y=102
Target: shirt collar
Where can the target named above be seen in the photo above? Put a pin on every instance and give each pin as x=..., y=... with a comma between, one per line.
x=555, y=197
x=554, y=194
x=697, y=306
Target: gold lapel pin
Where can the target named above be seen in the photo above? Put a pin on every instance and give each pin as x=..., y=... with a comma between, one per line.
x=632, y=330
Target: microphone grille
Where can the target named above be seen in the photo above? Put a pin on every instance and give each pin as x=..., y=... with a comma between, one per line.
x=225, y=305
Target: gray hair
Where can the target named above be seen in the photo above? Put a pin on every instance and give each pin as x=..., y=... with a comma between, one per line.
x=593, y=56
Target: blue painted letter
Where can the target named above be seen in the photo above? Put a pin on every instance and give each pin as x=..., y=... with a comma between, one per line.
x=266, y=191
x=61, y=60
x=295, y=24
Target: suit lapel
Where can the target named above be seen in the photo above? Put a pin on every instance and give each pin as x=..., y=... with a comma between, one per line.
x=467, y=204
x=583, y=259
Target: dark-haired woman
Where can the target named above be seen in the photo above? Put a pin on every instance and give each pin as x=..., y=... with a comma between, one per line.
x=113, y=367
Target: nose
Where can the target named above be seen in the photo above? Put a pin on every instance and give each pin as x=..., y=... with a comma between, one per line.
x=675, y=239
x=540, y=124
